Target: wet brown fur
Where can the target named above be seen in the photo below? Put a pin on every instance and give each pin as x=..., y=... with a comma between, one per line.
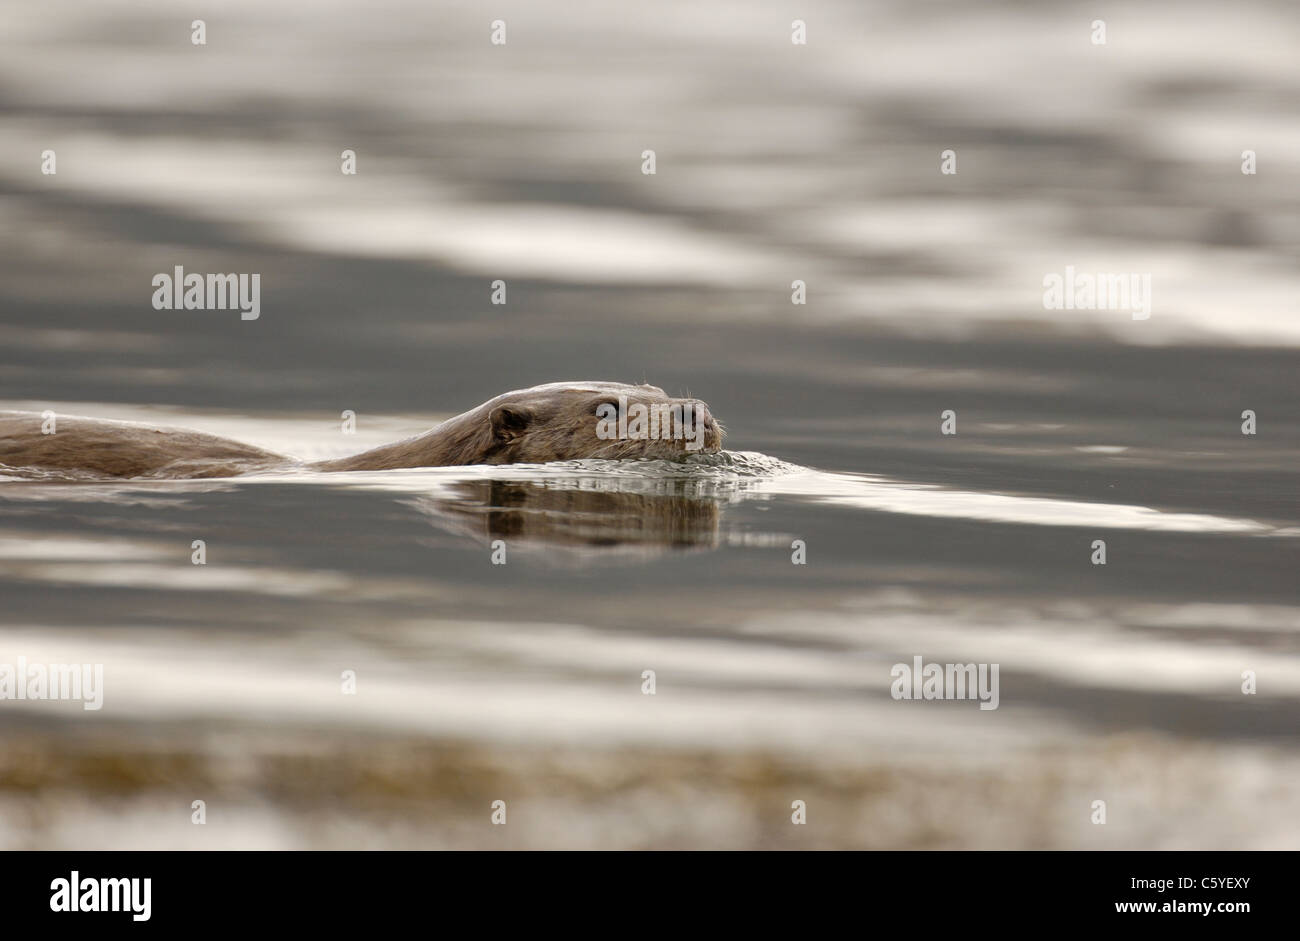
x=552, y=422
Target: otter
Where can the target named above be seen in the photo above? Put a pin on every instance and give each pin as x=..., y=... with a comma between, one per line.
x=558, y=421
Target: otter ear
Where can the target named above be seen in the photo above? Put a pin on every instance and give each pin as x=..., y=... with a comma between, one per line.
x=509, y=421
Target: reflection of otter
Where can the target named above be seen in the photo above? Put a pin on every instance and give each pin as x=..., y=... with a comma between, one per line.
x=570, y=513
x=554, y=422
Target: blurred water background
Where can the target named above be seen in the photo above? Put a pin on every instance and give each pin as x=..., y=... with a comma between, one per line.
x=775, y=162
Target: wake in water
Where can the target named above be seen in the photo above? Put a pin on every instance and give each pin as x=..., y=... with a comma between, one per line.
x=601, y=508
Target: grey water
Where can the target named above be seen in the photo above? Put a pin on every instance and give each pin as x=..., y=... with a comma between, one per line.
x=526, y=681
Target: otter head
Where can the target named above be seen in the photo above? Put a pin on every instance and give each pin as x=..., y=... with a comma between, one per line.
x=564, y=421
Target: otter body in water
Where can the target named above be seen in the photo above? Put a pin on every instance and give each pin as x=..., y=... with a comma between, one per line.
x=558, y=421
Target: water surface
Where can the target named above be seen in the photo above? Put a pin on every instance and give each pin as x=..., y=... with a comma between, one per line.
x=523, y=681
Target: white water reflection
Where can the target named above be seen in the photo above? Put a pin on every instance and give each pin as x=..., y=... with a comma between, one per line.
x=734, y=477
x=776, y=159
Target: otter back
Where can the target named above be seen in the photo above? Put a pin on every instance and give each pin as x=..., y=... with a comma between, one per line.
x=94, y=447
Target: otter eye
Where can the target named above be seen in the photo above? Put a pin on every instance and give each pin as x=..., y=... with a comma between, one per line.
x=605, y=409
